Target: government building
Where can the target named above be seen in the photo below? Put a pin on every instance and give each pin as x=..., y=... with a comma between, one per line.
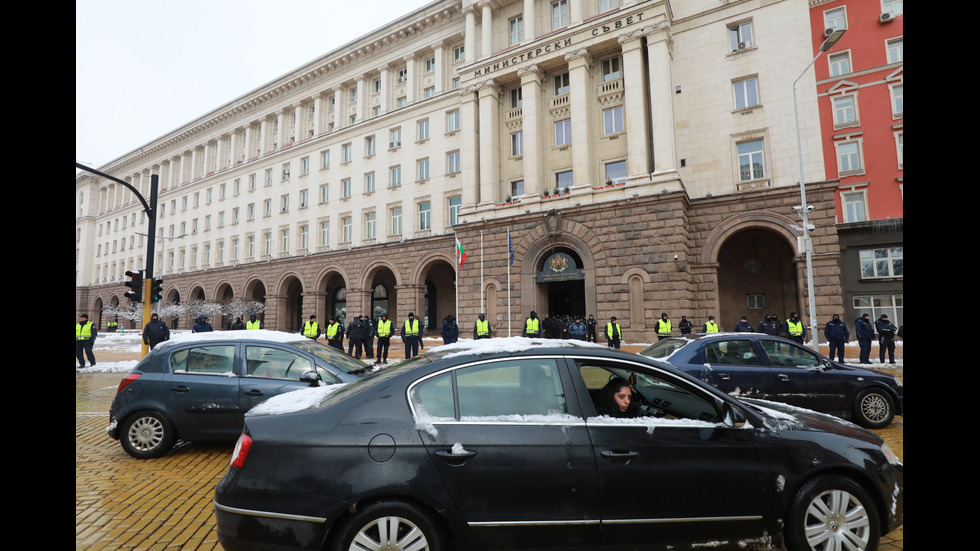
x=614, y=158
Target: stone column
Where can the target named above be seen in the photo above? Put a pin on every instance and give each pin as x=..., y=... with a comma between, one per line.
x=383, y=106
x=635, y=113
x=439, y=50
x=580, y=102
x=411, y=82
x=469, y=147
x=469, y=40
x=530, y=24
x=486, y=26
x=489, y=92
x=661, y=98
x=532, y=126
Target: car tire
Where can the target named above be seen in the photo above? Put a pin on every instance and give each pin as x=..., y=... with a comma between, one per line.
x=874, y=409
x=390, y=525
x=147, y=434
x=832, y=512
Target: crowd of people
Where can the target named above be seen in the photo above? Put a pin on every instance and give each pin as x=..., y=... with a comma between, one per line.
x=362, y=331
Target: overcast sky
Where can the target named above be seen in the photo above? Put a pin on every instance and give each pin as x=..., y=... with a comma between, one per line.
x=145, y=68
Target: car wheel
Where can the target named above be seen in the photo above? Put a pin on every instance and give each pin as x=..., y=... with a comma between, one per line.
x=832, y=513
x=147, y=434
x=392, y=526
x=874, y=409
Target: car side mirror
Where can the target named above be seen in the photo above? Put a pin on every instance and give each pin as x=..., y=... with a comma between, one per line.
x=732, y=416
x=311, y=377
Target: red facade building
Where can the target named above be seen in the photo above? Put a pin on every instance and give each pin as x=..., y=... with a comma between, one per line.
x=860, y=90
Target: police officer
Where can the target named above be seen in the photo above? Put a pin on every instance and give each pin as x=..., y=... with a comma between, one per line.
x=411, y=335
x=335, y=334
x=253, y=323
x=865, y=334
x=614, y=333
x=155, y=332
x=591, y=334
x=532, y=326
x=383, y=330
x=685, y=326
x=663, y=327
x=886, y=338
x=481, y=329
x=311, y=329
x=837, y=335
x=202, y=325
x=85, y=334
x=710, y=326
x=794, y=328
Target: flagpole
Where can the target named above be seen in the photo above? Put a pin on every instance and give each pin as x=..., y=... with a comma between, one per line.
x=456, y=238
x=509, y=262
x=482, y=309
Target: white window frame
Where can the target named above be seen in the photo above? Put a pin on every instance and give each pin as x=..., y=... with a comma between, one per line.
x=452, y=121
x=897, y=94
x=425, y=215
x=611, y=69
x=395, y=176
x=453, y=162
x=743, y=91
x=835, y=18
x=854, y=205
x=422, y=169
x=750, y=156
x=347, y=229
x=370, y=225
x=839, y=63
x=515, y=30
x=740, y=32
x=455, y=204
x=850, y=157
x=845, y=110
x=395, y=217
x=873, y=261
x=895, y=49
x=559, y=14
x=612, y=120
x=517, y=143
x=563, y=132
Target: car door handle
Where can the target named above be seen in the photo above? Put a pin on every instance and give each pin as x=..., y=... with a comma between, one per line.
x=180, y=388
x=456, y=459
x=253, y=392
x=724, y=376
x=619, y=456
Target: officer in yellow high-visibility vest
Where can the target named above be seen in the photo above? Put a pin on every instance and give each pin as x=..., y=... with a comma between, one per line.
x=481, y=330
x=253, y=323
x=311, y=329
x=335, y=334
x=663, y=326
x=411, y=335
x=794, y=328
x=710, y=326
x=85, y=334
x=614, y=333
x=532, y=326
x=384, y=339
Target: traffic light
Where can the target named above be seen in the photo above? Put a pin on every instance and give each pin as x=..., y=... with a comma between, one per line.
x=156, y=290
x=135, y=283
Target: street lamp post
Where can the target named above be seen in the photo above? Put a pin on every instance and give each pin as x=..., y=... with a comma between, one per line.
x=804, y=209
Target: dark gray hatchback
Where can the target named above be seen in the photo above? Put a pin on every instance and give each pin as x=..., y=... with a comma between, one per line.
x=197, y=387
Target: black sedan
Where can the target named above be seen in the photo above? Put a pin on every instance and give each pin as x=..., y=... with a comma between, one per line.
x=197, y=387
x=498, y=444
x=755, y=365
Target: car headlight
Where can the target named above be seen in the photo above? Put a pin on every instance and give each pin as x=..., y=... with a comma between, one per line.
x=890, y=455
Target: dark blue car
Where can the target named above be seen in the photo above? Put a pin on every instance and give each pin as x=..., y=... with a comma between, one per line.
x=197, y=387
x=755, y=365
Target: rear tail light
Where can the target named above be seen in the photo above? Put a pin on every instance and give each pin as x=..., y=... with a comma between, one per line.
x=242, y=447
x=126, y=380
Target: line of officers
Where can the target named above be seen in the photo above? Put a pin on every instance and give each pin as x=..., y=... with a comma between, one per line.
x=361, y=332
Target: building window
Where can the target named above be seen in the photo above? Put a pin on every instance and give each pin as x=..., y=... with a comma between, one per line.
x=459, y=54
x=346, y=186
x=268, y=182
x=835, y=19
x=423, y=169
x=401, y=102
x=250, y=246
x=377, y=86
x=395, y=176
x=324, y=193
x=430, y=65
x=516, y=98
x=452, y=121
x=347, y=153
x=746, y=93
x=396, y=221
x=840, y=64
x=267, y=208
x=429, y=92
x=403, y=75
x=395, y=136
x=610, y=69
x=516, y=189
x=285, y=240
x=559, y=14
x=900, y=147
x=606, y=5
x=517, y=144
x=325, y=159
x=425, y=216
x=878, y=263
x=898, y=100
x=304, y=237
x=615, y=172
x=304, y=198
x=561, y=84
x=422, y=130
x=893, y=7
x=284, y=203
x=369, y=146
x=324, y=234
x=515, y=30
x=563, y=181
x=455, y=203
x=304, y=166
x=845, y=111
x=896, y=50
x=750, y=161
x=345, y=226
x=267, y=243
x=854, y=206
x=563, y=132
x=849, y=158
x=369, y=182
x=452, y=162
x=455, y=83
x=740, y=36
x=370, y=221
x=612, y=120
x=353, y=94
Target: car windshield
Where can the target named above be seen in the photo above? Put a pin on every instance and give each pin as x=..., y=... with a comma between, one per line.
x=330, y=355
x=664, y=348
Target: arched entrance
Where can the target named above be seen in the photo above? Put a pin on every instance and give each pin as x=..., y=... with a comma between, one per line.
x=291, y=313
x=756, y=277
x=224, y=295
x=561, y=280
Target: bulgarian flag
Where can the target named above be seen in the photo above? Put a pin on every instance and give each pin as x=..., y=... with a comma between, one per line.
x=460, y=254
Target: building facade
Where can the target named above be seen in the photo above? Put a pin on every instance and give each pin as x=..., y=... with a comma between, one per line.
x=860, y=85
x=614, y=158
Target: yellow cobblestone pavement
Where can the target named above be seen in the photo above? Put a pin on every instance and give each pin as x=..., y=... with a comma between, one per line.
x=166, y=504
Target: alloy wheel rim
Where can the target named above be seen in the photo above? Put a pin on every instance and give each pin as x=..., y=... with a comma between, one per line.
x=837, y=521
x=390, y=533
x=146, y=433
x=874, y=407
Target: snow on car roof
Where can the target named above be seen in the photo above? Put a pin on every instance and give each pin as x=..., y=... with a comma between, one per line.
x=251, y=335
x=509, y=344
